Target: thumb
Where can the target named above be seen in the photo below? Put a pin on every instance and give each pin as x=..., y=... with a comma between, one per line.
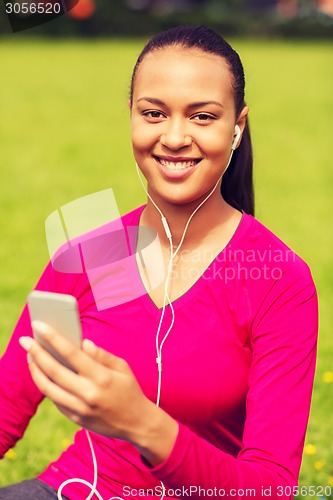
x=103, y=357
x=90, y=348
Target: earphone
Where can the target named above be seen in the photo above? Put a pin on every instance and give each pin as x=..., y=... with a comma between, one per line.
x=236, y=138
x=159, y=345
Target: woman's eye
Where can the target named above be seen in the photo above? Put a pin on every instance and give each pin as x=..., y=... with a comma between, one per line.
x=203, y=117
x=153, y=114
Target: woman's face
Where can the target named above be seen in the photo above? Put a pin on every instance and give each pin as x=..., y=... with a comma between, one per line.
x=183, y=122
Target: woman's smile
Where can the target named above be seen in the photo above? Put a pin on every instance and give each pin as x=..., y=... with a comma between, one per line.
x=183, y=121
x=176, y=167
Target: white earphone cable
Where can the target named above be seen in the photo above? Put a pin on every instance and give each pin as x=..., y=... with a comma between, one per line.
x=91, y=486
x=173, y=254
x=159, y=346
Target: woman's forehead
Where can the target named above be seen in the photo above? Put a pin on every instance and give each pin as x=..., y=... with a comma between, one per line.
x=179, y=69
x=190, y=54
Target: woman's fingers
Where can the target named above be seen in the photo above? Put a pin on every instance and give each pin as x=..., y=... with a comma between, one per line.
x=105, y=358
x=38, y=358
x=71, y=353
x=85, y=361
x=78, y=394
x=97, y=370
x=47, y=364
x=97, y=394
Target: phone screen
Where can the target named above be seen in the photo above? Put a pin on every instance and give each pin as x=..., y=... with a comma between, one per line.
x=59, y=311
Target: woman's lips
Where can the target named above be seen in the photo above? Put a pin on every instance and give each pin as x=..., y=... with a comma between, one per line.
x=176, y=168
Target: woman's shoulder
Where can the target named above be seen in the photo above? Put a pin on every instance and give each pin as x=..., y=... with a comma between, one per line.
x=260, y=245
x=73, y=260
x=276, y=281
x=260, y=236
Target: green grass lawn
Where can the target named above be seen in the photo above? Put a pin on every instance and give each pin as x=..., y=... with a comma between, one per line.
x=64, y=133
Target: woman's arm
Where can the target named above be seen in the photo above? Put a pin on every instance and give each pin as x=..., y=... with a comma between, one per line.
x=104, y=396
x=19, y=396
x=278, y=402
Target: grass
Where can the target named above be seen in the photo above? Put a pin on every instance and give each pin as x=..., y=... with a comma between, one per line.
x=64, y=133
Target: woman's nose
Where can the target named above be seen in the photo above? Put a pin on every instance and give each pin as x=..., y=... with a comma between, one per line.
x=175, y=136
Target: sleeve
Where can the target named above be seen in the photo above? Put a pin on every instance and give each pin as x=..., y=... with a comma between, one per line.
x=284, y=335
x=19, y=396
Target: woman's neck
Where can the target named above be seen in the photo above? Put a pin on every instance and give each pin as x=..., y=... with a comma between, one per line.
x=211, y=215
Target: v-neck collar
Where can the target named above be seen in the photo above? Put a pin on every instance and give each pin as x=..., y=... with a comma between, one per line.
x=221, y=259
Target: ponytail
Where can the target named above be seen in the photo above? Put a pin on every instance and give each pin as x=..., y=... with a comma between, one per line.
x=237, y=185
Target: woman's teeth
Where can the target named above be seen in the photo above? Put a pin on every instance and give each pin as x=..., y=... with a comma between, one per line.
x=178, y=165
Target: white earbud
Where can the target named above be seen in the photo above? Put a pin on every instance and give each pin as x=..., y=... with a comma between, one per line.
x=173, y=253
x=236, y=137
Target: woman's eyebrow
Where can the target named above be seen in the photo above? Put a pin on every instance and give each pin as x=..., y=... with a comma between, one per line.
x=204, y=103
x=198, y=104
x=152, y=100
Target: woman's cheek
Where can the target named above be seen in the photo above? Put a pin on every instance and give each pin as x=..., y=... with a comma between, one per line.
x=142, y=138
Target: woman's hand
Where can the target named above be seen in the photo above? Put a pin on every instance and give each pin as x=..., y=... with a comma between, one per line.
x=103, y=395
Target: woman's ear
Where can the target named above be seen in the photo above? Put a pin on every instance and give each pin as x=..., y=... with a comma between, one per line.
x=241, y=120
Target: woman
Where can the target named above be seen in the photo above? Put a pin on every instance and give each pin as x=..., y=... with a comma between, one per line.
x=201, y=387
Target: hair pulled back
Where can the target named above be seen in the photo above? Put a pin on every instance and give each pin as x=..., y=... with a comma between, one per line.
x=237, y=185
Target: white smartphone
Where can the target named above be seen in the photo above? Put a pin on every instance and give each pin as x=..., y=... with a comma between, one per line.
x=61, y=312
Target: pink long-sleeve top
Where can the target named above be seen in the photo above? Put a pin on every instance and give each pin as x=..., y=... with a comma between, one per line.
x=238, y=372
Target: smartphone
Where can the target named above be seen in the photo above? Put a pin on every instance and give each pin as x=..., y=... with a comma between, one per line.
x=61, y=312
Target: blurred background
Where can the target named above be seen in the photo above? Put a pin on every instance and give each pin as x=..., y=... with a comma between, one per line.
x=292, y=18
x=64, y=133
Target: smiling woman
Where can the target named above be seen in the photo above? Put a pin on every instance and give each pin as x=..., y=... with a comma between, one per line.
x=182, y=137
x=201, y=385
x=197, y=81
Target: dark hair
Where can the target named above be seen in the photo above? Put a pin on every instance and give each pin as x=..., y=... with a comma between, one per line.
x=237, y=186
